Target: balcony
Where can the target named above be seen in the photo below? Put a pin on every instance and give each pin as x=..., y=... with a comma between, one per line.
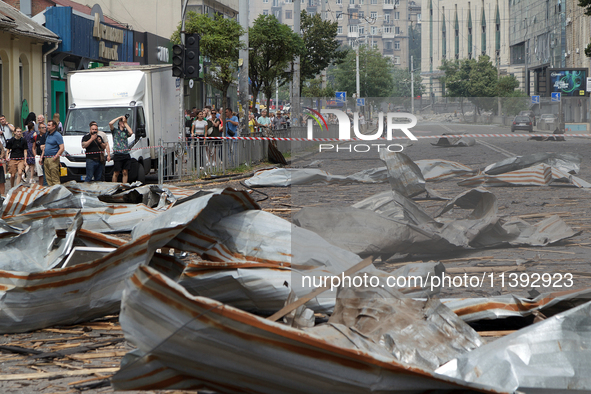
x=353, y=34
x=389, y=6
x=389, y=34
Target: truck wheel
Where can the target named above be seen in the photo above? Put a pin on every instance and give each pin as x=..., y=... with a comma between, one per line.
x=141, y=175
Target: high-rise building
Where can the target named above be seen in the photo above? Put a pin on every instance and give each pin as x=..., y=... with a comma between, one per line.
x=385, y=24
x=461, y=29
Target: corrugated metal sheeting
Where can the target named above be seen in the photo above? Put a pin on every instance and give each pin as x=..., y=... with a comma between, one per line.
x=233, y=351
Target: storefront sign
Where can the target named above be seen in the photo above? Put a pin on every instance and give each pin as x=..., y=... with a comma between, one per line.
x=108, y=33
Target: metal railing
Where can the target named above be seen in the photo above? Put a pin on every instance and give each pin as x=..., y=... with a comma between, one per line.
x=193, y=158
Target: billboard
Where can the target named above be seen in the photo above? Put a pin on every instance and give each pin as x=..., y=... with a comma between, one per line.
x=568, y=81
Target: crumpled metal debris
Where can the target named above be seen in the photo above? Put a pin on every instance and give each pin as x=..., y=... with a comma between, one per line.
x=232, y=350
x=447, y=142
x=508, y=305
x=418, y=333
x=31, y=299
x=536, y=175
x=404, y=175
x=429, y=170
x=552, y=355
x=262, y=288
x=567, y=162
x=384, y=232
x=283, y=177
x=436, y=170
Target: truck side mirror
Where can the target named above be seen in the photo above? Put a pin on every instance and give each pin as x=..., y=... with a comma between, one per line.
x=140, y=131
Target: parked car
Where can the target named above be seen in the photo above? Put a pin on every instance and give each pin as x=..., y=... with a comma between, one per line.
x=529, y=114
x=548, y=118
x=522, y=122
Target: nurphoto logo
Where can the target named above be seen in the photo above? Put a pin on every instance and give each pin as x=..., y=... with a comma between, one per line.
x=345, y=127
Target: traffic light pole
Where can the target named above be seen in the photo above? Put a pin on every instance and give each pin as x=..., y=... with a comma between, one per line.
x=182, y=84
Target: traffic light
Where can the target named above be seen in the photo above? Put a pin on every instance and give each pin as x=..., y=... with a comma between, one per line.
x=178, y=60
x=192, y=56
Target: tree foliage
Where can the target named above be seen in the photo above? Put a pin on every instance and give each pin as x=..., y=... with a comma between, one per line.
x=586, y=4
x=321, y=46
x=375, y=74
x=402, y=83
x=220, y=42
x=313, y=88
x=477, y=80
x=274, y=47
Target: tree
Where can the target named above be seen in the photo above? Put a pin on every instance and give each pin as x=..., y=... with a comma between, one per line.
x=402, y=82
x=313, y=88
x=477, y=80
x=321, y=46
x=586, y=4
x=274, y=47
x=375, y=74
x=220, y=42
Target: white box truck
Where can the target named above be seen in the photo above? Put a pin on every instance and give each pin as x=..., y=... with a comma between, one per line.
x=150, y=95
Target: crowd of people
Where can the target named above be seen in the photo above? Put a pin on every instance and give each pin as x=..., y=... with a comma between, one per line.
x=31, y=153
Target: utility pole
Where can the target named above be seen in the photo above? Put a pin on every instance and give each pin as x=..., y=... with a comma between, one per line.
x=357, y=68
x=412, y=86
x=323, y=17
x=243, y=83
x=295, y=99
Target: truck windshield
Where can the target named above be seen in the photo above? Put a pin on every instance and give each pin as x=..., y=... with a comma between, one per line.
x=78, y=119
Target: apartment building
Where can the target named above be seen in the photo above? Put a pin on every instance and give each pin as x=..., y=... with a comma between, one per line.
x=385, y=24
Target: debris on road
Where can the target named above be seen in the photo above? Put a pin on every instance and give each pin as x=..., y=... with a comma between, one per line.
x=232, y=350
x=567, y=162
x=536, y=175
x=550, y=355
x=448, y=142
x=504, y=306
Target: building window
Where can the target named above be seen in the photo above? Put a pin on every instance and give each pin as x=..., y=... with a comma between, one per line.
x=388, y=1
x=396, y=44
x=361, y=2
x=265, y=12
x=361, y=30
x=388, y=29
x=374, y=1
x=340, y=30
x=277, y=14
x=396, y=59
x=373, y=15
x=361, y=14
x=288, y=14
x=388, y=45
x=275, y=3
x=351, y=1
x=339, y=2
x=396, y=15
x=374, y=30
x=265, y=1
x=397, y=30
x=353, y=16
x=353, y=29
x=387, y=17
x=339, y=15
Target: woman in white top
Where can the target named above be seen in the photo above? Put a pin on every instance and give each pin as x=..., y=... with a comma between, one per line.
x=198, y=131
x=199, y=126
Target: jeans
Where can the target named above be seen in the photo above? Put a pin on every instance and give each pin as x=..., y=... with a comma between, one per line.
x=94, y=169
